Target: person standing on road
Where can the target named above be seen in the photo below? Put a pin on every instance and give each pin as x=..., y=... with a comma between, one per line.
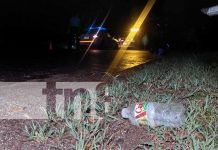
x=74, y=32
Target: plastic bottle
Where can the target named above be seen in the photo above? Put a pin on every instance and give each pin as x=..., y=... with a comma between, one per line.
x=155, y=114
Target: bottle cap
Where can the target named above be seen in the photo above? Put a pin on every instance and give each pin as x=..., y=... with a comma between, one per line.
x=125, y=113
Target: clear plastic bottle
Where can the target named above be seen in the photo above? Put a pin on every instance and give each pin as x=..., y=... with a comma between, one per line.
x=155, y=114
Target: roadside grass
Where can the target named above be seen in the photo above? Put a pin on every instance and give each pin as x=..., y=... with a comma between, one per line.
x=184, y=80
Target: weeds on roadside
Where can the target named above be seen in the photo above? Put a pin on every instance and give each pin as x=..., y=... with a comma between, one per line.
x=195, y=84
x=38, y=132
x=184, y=80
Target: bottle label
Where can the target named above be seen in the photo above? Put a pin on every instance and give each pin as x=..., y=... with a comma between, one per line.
x=141, y=113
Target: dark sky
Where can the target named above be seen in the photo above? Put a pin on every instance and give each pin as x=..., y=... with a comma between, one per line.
x=46, y=18
x=54, y=14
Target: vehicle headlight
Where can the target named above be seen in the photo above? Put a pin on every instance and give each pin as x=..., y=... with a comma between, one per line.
x=95, y=36
x=134, y=29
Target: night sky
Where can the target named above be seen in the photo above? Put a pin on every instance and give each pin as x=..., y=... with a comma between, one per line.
x=42, y=20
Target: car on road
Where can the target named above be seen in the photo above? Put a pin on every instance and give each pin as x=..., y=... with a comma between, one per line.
x=131, y=44
x=98, y=37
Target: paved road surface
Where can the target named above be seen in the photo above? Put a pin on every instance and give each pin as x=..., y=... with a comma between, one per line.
x=65, y=66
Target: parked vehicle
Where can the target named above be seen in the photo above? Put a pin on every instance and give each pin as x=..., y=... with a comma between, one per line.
x=98, y=37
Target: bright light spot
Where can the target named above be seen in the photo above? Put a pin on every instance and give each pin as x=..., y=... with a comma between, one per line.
x=134, y=30
x=95, y=36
